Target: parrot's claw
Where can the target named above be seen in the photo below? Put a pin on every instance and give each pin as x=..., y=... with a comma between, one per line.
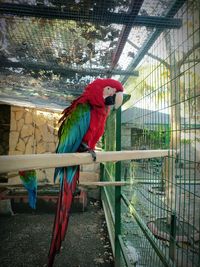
x=85, y=148
x=77, y=192
x=93, y=153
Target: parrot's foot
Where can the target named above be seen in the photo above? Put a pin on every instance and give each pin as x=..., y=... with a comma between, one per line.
x=93, y=153
x=85, y=148
x=77, y=192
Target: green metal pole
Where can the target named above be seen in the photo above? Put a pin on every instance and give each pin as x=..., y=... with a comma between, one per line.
x=167, y=136
x=118, y=191
x=172, y=242
x=102, y=172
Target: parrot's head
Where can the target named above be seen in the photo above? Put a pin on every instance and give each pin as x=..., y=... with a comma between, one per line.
x=107, y=92
x=112, y=96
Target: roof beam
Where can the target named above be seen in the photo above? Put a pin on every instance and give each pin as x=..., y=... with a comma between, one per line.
x=152, y=38
x=133, y=11
x=95, y=17
x=63, y=71
x=158, y=22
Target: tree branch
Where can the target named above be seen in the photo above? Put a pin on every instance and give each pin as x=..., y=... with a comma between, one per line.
x=191, y=61
x=151, y=55
x=186, y=55
x=179, y=63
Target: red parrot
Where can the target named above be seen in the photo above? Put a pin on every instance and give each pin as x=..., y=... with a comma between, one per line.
x=82, y=125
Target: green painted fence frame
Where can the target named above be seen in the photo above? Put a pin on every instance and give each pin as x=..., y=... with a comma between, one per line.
x=113, y=214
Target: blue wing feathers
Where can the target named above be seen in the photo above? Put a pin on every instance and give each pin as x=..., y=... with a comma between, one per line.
x=29, y=180
x=72, y=133
x=32, y=197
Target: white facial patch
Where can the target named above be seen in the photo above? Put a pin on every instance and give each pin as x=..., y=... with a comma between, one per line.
x=108, y=91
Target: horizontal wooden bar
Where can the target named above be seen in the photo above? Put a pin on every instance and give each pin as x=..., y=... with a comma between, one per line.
x=38, y=161
x=112, y=183
x=63, y=71
x=89, y=176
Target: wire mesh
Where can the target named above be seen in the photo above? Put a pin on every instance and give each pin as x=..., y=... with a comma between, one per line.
x=110, y=145
x=50, y=49
x=163, y=112
x=56, y=47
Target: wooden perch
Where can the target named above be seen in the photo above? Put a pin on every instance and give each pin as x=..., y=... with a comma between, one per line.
x=45, y=161
x=103, y=183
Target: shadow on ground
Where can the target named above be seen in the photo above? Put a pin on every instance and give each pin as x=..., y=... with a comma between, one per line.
x=25, y=238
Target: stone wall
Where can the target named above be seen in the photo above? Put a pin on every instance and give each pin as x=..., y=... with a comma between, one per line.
x=34, y=131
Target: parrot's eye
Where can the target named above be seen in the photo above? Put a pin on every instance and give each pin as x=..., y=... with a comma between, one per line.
x=108, y=91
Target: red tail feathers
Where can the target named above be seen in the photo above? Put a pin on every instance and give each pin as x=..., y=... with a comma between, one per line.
x=62, y=216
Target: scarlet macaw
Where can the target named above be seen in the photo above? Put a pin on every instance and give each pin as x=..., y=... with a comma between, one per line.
x=82, y=125
x=29, y=180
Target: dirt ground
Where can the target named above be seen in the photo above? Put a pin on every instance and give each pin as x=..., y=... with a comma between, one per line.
x=25, y=238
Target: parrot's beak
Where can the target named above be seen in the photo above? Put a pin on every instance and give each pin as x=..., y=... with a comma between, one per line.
x=118, y=100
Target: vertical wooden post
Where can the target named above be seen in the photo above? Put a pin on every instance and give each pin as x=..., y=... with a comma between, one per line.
x=118, y=191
